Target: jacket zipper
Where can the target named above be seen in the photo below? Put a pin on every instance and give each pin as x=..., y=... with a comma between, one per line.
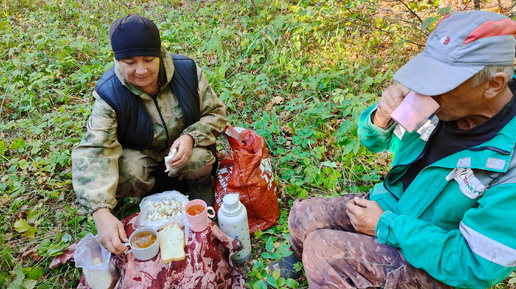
x=416, y=159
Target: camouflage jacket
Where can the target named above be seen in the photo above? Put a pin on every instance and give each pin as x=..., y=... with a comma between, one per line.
x=95, y=159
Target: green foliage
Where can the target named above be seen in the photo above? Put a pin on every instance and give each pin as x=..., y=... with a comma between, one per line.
x=275, y=247
x=51, y=53
x=297, y=72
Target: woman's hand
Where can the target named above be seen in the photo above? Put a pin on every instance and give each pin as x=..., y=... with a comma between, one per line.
x=364, y=215
x=183, y=146
x=110, y=231
x=391, y=98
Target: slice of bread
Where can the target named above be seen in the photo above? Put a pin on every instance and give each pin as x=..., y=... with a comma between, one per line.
x=99, y=279
x=172, y=243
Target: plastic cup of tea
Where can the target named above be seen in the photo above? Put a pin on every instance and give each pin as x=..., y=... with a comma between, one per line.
x=197, y=214
x=144, y=244
x=414, y=110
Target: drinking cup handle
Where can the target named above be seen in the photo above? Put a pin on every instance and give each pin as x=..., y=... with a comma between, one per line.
x=212, y=215
x=130, y=249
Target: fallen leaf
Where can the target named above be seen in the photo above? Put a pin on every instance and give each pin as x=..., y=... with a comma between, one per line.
x=22, y=215
x=22, y=226
x=32, y=253
x=277, y=100
x=4, y=199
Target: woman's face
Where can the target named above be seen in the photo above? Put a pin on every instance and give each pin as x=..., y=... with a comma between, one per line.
x=141, y=71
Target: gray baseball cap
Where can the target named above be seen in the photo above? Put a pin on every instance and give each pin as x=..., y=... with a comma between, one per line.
x=462, y=44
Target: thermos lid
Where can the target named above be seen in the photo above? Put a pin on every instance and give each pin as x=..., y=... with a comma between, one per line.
x=231, y=202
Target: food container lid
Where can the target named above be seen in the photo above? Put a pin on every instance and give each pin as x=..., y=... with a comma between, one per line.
x=231, y=203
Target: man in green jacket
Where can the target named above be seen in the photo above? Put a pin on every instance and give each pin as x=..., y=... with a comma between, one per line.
x=444, y=215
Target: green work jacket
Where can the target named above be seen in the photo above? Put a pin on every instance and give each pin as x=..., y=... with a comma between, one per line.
x=457, y=218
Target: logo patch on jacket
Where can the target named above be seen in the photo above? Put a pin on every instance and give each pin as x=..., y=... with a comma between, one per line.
x=469, y=185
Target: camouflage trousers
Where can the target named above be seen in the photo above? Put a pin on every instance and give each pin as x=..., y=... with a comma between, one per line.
x=137, y=171
x=334, y=255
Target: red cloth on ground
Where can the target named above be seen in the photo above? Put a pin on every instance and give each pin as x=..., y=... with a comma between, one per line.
x=207, y=264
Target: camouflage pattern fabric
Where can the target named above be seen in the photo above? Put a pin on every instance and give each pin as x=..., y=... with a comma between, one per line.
x=135, y=168
x=102, y=171
x=334, y=255
x=207, y=265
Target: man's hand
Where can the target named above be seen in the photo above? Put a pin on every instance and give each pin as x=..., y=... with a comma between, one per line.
x=184, y=146
x=391, y=98
x=110, y=231
x=364, y=215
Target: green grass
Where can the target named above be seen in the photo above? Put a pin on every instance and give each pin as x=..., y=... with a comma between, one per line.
x=297, y=72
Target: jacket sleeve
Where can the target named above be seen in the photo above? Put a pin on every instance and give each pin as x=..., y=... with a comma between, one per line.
x=375, y=138
x=478, y=254
x=95, y=159
x=213, y=115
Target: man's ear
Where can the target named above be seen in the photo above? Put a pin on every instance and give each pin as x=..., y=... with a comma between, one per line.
x=496, y=85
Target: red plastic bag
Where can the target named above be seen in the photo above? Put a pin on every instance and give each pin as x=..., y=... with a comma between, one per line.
x=247, y=170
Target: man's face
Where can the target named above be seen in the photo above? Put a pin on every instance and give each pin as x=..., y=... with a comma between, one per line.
x=141, y=71
x=463, y=104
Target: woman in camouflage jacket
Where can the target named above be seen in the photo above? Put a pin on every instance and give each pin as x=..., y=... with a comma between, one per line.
x=107, y=166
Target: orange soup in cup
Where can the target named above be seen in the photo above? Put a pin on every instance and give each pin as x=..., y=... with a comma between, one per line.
x=143, y=239
x=195, y=210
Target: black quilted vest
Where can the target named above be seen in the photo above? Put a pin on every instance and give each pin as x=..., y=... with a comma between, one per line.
x=135, y=129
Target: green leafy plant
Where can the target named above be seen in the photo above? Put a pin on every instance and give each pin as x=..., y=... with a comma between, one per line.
x=299, y=73
x=276, y=247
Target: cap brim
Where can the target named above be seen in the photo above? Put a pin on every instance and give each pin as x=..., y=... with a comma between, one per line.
x=428, y=76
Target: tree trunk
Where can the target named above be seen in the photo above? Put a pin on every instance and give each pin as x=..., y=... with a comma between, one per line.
x=477, y=4
x=513, y=9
